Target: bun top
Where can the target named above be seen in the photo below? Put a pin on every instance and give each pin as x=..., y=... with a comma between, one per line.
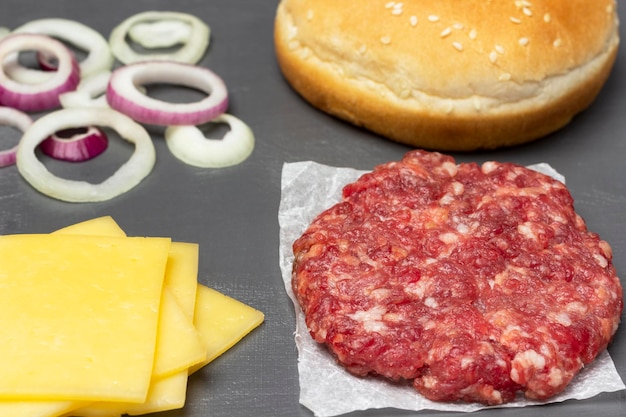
x=495, y=49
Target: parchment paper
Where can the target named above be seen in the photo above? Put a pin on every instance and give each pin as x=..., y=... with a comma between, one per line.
x=307, y=188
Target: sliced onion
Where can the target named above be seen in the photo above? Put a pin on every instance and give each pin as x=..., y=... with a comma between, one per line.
x=191, y=51
x=189, y=144
x=89, y=93
x=19, y=120
x=131, y=173
x=41, y=96
x=164, y=33
x=99, y=57
x=85, y=144
x=123, y=93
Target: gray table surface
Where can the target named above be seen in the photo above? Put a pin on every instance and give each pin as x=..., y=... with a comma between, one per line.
x=232, y=212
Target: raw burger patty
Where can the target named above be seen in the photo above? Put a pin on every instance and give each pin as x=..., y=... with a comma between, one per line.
x=475, y=282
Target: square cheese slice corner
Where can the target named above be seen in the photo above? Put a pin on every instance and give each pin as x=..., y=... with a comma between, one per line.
x=84, y=315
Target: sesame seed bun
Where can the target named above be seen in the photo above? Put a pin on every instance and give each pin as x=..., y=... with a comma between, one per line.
x=449, y=75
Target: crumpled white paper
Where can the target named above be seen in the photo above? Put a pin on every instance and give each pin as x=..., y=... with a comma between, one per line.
x=325, y=387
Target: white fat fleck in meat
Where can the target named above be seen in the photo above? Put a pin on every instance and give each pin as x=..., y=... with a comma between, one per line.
x=555, y=377
x=528, y=359
x=600, y=260
x=431, y=302
x=450, y=167
x=488, y=167
x=449, y=238
x=576, y=307
x=462, y=228
x=526, y=230
x=560, y=317
x=457, y=188
x=447, y=199
x=371, y=319
x=380, y=294
x=417, y=289
x=466, y=361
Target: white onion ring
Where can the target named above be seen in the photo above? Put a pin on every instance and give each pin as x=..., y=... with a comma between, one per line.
x=164, y=33
x=19, y=120
x=191, y=52
x=131, y=173
x=123, y=93
x=89, y=93
x=189, y=144
x=99, y=57
x=43, y=96
x=80, y=147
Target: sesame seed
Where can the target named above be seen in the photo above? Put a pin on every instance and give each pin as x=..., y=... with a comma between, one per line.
x=458, y=26
x=397, y=11
x=493, y=57
x=499, y=49
x=458, y=46
x=398, y=5
x=472, y=35
x=557, y=43
x=515, y=20
x=504, y=77
x=523, y=41
x=413, y=20
x=547, y=18
x=385, y=40
x=309, y=15
x=390, y=5
x=527, y=11
x=433, y=18
x=445, y=32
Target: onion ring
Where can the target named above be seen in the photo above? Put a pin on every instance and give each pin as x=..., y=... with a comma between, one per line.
x=89, y=93
x=86, y=144
x=99, y=57
x=164, y=33
x=131, y=173
x=124, y=96
x=37, y=97
x=19, y=120
x=191, y=52
x=188, y=144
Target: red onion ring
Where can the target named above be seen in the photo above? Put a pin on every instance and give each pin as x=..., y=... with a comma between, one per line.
x=99, y=56
x=124, y=96
x=37, y=97
x=19, y=120
x=81, y=146
x=188, y=144
x=191, y=52
x=128, y=175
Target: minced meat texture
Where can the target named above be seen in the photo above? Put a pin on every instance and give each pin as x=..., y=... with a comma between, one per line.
x=475, y=282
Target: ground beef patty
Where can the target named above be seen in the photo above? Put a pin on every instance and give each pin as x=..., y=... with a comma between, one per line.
x=475, y=282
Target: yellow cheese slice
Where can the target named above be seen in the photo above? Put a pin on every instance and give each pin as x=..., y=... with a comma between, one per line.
x=45, y=281
x=100, y=226
x=37, y=408
x=222, y=321
x=165, y=394
x=179, y=345
x=181, y=275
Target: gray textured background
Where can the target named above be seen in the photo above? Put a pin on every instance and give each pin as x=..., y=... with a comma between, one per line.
x=232, y=212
